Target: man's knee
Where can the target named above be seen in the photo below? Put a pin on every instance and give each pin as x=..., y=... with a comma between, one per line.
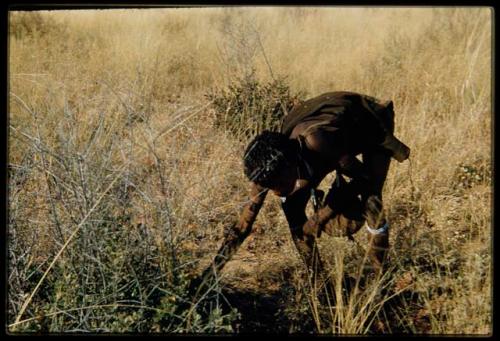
x=347, y=225
x=348, y=208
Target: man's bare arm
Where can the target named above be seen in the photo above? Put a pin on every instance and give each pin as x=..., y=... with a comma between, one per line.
x=235, y=235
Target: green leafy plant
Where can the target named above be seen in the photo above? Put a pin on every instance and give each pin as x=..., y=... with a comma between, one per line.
x=249, y=106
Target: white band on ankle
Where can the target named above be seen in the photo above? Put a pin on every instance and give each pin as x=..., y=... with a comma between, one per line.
x=380, y=230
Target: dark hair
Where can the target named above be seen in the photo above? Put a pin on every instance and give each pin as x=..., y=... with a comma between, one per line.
x=266, y=156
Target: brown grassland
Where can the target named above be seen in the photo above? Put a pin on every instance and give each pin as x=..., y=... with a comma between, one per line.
x=121, y=182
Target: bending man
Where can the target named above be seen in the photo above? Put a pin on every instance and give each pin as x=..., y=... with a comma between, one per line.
x=319, y=136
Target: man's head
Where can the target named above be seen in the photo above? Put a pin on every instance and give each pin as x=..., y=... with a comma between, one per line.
x=270, y=160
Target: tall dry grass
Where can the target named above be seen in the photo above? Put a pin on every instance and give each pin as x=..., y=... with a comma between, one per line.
x=118, y=95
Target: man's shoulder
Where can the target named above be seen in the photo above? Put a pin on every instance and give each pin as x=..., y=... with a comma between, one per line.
x=334, y=97
x=329, y=102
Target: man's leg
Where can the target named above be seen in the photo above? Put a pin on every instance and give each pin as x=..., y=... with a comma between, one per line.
x=377, y=162
x=294, y=209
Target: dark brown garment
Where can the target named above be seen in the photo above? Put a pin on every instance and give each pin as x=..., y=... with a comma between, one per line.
x=362, y=120
x=327, y=110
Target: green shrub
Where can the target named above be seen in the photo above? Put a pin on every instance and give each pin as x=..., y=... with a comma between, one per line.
x=249, y=106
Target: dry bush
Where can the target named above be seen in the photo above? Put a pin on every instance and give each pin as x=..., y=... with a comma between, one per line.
x=248, y=107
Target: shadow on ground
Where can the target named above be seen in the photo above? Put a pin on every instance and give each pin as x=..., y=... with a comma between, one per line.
x=281, y=312
x=259, y=312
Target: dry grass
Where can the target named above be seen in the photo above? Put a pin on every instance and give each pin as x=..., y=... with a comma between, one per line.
x=95, y=92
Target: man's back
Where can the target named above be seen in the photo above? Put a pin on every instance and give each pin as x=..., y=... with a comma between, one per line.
x=356, y=120
x=329, y=108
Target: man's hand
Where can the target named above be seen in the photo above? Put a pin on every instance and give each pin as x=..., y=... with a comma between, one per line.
x=312, y=227
x=202, y=283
